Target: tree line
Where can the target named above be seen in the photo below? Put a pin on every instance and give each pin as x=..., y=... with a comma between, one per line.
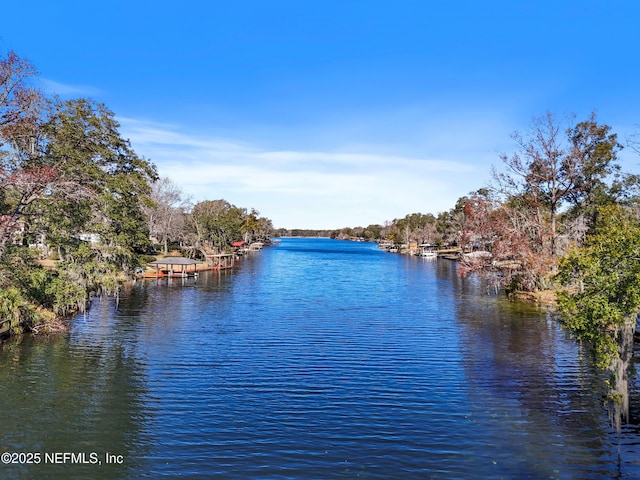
x=208, y=226
x=74, y=190
x=559, y=215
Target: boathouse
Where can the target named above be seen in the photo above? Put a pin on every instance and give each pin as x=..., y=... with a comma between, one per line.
x=174, y=267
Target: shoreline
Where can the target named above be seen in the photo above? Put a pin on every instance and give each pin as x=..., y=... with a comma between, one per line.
x=544, y=298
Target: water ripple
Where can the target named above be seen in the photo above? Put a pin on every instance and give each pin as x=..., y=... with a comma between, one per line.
x=320, y=359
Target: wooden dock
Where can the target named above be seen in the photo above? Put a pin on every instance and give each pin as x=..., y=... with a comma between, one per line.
x=220, y=261
x=173, y=267
x=181, y=267
x=450, y=253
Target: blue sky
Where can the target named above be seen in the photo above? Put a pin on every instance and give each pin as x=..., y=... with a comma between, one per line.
x=333, y=113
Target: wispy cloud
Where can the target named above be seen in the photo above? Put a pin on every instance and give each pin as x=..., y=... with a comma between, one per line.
x=321, y=189
x=67, y=90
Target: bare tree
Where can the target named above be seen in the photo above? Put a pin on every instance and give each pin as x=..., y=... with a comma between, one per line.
x=166, y=213
x=20, y=103
x=553, y=167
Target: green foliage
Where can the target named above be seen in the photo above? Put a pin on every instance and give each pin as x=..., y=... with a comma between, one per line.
x=65, y=294
x=30, y=289
x=85, y=145
x=11, y=305
x=63, y=290
x=217, y=223
x=79, y=177
x=18, y=313
x=602, y=280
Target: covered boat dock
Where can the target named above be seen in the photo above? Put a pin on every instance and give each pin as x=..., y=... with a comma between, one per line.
x=174, y=267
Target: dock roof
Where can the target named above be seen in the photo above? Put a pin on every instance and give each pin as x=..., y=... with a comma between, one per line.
x=174, y=261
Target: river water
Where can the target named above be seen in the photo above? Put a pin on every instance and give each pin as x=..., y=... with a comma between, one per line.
x=313, y=359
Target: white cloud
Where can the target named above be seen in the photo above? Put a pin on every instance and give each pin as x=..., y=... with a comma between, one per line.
x=62, y=89
x=305, y=189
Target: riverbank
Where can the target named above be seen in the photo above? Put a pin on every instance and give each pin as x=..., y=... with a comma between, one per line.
x=22, y=311
x=42, y=322
x=546, y=299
